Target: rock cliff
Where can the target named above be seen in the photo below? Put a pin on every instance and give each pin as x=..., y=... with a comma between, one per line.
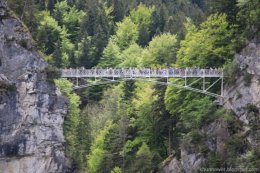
x=242, y=98
x=31, y=109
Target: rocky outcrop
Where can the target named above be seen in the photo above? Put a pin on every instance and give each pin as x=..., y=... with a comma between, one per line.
x=172, y=165
x=243, y=99
x=191, y=161
x=216, y=134
x=31, y=109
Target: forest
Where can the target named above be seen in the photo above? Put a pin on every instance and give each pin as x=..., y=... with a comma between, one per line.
x=135, y=126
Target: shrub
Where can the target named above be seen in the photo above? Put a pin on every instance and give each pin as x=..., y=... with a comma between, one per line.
x=234, y=124
x=236, y=144
x=7, y=87
x=193, y=137
x=252, y=108
x=52, y=73
x=248, y=79
x=214, y=160
x=231, y=70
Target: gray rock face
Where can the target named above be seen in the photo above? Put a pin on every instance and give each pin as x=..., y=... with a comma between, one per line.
x=173, y=166
x=191, y=162
x=246, y=90
x=31, y=109
x=243, y=98
x=216, y=134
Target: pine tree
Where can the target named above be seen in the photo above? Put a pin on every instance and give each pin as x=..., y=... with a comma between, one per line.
x=209, y=45
x=227, y=7
x=144, y=35
x=161, y=51
x=97, y=152
x=72, y=121
x=128, y=90
x=84, y=139
x=111, y=56
x=51, y=5
x=170, y=26
x=57, y=55
x=117, y=10
x=86, y=56
x=143, y=162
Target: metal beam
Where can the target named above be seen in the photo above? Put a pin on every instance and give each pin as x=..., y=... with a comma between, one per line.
x=116, y=75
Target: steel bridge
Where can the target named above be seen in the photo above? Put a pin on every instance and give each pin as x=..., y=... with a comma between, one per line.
x=189, y=76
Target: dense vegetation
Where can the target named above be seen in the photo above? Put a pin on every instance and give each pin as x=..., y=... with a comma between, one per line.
x=134, y=126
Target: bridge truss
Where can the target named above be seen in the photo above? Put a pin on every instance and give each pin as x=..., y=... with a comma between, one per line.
x=193, y=79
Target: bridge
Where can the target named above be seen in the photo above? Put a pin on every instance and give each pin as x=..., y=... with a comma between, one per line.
x=190, y=77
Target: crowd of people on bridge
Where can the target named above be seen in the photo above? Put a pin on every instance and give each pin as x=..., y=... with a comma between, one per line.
x=145, y=72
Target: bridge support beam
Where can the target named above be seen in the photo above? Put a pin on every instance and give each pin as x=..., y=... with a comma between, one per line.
x=117, y=75
x=77, y=78
x=204, y=81
x=222, y=84
x=185, y=78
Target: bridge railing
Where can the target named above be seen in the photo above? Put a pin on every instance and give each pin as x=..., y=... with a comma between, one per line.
x=141, y=73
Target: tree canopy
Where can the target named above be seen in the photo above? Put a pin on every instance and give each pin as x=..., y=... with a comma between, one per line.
x=133, y=126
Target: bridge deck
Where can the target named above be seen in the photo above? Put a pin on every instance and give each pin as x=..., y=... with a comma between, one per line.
x=141, y=73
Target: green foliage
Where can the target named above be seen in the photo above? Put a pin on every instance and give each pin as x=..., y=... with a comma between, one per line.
x=173, y=101
x=85, y=55
x=146, y=122
x=132, y=56
x=122, y=49
x=54, y=39
x=248, y=17
x=8, y=87
x=251, y=159
x=97, y=151
x=65, y=86
x=143, y=162
x=127, y=33
x=236, y=144
x=194, y=111
x=25, y=10
x=72, y=120
x=161, y=51
x=116, y=170
x=197, y=113
x=209, y=45
x=77, y=140
x=84, y=140
x=252, y=108
x=227, y=7
x=243, y=14
x=231, y=70
x=68, y=16
x=242, y=3
x=111, y=55
x=149, y=120
x=142, y=16
x=99, y=113
x=143, y=104
x=52, y=73
x=48, y=31
x=214, y=160
x=193, y=137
